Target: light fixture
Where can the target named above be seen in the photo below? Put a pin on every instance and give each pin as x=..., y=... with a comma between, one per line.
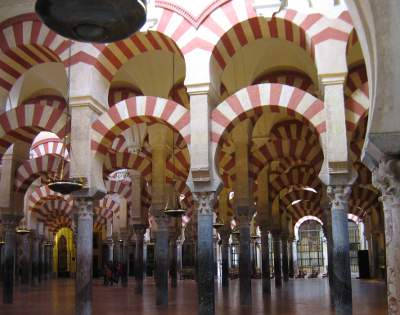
x=236, y=231
x=99, y=21
x=22, y=230
x=174, y=209
x=295, y=202
x=218, y=223
x=59, y=183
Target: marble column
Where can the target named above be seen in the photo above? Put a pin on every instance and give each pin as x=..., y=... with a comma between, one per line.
x=110, y=250
x=276, y=241
x=9, y=223
x=173, y=263
x=224, y=233
x=205, y=252
x=41, y=259
x=244, y=260
x=285, y=258
x=35, y=258
x=386, y=177
x=139, y=231
x=265, y=264
x=327, y=229
x=161, y=259
x=342, y=295
x=26, y=251
x=291, y=260
x=84, y=257
x=125, y=257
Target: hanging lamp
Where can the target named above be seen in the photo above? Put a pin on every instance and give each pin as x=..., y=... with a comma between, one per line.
x=175, y=208
x=98, y=21
x=218, y=223
x=59, y=183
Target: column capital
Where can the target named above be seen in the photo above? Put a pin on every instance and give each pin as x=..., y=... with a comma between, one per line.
x=386, y=177
x=139, y=229
x=205, y=202
x=84, y=207
x=10, y=220
x=338, y=195
x=225, y=233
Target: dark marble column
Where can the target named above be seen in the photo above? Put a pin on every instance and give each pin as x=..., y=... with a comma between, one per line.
x=386, y=178
x=41, y=259
x=327, y=228
x=285, y=259
x=84, y=256
x=161, y=259
x=291, y=260
x=276, y=240
x=26, y=251
x=35, y=258
x=339, y=196
x=225, y=233
x=265, y=265
x=9, y=222
x=125, y=258
x=139, y=231
x=205, y=252
x=244, y=261
x=173, y=263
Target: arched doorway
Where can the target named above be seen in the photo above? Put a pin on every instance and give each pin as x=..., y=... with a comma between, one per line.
x=62, y=254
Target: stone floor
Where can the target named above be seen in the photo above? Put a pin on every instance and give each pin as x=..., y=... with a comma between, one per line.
x=298, y=297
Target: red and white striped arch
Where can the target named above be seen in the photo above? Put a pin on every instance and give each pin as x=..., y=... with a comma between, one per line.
x=104, y=209
x=25, y=42
x=251, y=101
x=138, y=110
x=43, y=193
x=24, y=122
x=111, y=57
x=118, y=94
x=121, y=160
x=29, y=170
x=357, y=106
x=120, y=187
x=292, y=78
x=57, y=213
x=306, y=31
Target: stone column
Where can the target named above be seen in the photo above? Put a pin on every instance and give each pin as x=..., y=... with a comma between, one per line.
x=25, y=259
x=276, y=241
x=161, y=259
x=139, y=231
x=225, y=233
x=342, y=295
x=125, y=257
x=327, y=229
x=244, y=260
x=110, y=249
x=41, y=259
x=291, y=260
x=285, y=258
x=387, y=179
x=35, y=258
x=9, y=222
x=265, y=265
x=84, y=256
x=173, y=263
x=205, y=252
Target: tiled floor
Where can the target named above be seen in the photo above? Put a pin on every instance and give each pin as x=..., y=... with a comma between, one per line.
x=298, y=297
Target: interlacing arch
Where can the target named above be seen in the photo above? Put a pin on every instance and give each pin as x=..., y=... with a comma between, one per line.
x=252, y=100
x=24, y=122
x=138, y=110
x=25, y=42
x=112, y=56
x=44, y=166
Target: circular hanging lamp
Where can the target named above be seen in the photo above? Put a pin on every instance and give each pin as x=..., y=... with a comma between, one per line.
x=176, y=210
x=98, y=21
x=218, y=224
x=59, y=183
x=22, y=230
